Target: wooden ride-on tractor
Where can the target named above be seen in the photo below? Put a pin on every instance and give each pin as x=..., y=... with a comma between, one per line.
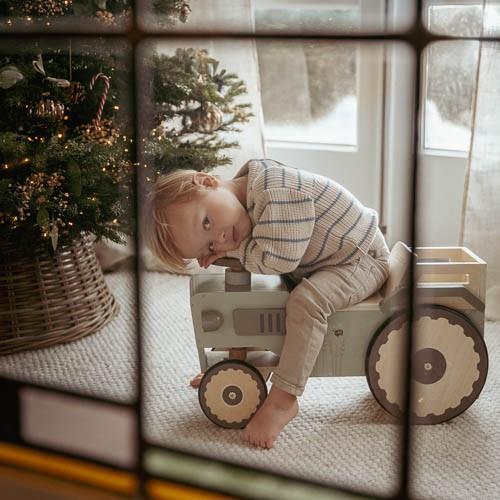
x=239, y=324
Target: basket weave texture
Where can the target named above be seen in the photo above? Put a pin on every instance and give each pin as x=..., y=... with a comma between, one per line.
x=49, y=298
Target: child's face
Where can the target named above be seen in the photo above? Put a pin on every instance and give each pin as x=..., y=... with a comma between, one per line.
x=213, y=222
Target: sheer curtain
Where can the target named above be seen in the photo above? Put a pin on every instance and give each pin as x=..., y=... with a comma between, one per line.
x=481, y=209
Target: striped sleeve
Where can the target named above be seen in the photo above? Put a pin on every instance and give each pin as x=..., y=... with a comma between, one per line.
x=284, y=222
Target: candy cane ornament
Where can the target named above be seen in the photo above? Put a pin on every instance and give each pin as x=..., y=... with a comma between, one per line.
x=104, y=94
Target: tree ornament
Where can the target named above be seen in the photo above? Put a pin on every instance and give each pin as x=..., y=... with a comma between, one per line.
x=77, y=92
x=39, y=68
x=60, y=82
x=47, y=109
x=184, y=13
x=46, y=8
x=206, y=119
x=104, y=95
x=54, y=235
x=38, y=64
x=9, y=76
x=104, y=132
x=105, y=16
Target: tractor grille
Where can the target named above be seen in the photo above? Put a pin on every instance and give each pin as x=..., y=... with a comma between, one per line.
x=259, y=321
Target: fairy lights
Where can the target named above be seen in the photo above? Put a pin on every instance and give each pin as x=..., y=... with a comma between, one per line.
x=59, y=175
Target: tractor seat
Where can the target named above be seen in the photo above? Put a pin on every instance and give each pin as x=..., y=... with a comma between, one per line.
x=399, y=264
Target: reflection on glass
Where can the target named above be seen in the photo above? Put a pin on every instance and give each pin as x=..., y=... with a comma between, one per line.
x=451, y=72
x=321, y=17
x=74, y=15
x=321, y=82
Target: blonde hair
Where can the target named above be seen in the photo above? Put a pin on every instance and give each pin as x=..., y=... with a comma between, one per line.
x=172, y=188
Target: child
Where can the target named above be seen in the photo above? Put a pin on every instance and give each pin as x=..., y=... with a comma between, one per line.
x=275, y=220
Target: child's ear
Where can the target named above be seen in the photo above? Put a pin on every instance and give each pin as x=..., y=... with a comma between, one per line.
x=204, y=179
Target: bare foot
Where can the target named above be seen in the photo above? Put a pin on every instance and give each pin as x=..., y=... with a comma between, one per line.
x=195, y=382
x=278, y=409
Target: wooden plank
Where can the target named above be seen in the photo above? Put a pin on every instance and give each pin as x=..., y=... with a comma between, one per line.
x=455, y=253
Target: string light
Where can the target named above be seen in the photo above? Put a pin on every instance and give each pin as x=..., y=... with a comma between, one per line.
x=31, y=190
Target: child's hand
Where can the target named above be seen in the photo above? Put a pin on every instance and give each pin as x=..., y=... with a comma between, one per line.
x=210, y=259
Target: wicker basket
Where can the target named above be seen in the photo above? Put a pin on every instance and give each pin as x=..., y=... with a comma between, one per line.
x=46, y=299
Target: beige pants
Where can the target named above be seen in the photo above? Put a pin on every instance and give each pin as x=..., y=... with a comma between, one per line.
x=314, y=299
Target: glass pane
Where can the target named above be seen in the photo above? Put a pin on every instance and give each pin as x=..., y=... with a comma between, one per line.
x=472, y=18
x=455, y=20
x=460, y=199
x=293, y=17
x=77, y=16
x=183, y=81
x=450, y=81
x=65, y=132
x=320, y=79
x=308, y=17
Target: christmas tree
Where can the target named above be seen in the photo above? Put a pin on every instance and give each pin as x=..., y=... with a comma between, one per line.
x=193, y=104
x=65, y=163
x=65, y=136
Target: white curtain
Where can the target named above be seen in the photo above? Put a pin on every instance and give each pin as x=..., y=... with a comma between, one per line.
x=481, y=210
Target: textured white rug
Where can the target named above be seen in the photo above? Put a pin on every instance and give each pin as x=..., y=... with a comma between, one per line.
x=341, y=434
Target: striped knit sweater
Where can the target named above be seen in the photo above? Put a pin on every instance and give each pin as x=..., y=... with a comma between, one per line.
x=301, y=221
